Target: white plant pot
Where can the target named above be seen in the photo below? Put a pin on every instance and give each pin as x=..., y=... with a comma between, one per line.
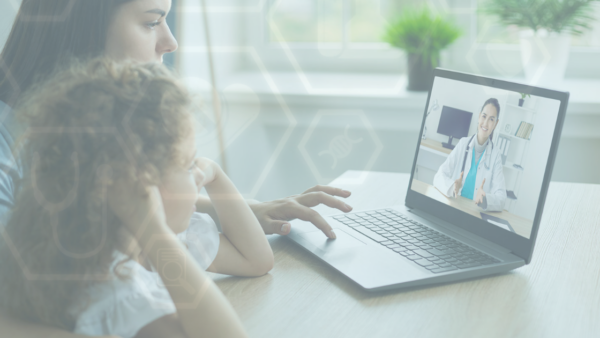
x=545, y=57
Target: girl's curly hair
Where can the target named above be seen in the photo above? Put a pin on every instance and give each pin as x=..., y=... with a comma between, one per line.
x=88, y=126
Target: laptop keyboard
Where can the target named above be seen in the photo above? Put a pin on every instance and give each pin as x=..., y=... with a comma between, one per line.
x=424, y=246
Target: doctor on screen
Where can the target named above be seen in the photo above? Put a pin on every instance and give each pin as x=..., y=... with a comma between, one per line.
x=474, y=168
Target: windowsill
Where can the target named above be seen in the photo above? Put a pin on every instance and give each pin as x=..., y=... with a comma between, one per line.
x=361, y=85
x=378, y=89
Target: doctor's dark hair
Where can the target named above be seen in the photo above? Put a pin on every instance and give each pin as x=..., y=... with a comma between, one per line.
x=494, y=102
x=91, y=127
x=47, y=34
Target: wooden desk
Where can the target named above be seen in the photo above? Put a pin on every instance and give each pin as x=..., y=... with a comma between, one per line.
x=557, y=295
x=435, y=145
x=522, y=226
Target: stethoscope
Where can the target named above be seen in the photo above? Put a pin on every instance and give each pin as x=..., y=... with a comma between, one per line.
x=486, y=162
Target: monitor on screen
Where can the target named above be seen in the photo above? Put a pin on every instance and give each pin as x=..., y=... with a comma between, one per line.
x=454, y=123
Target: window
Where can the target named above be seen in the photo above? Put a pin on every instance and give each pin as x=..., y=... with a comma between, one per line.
x=333, y=21
x=345, y=36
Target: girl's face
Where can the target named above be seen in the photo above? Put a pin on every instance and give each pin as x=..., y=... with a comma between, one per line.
x=139, y=31
x=488, y=119
x=180, y=187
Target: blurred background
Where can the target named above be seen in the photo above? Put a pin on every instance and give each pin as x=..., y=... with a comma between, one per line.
x=311, y=88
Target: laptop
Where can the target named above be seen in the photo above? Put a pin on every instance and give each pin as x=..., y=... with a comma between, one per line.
x=439, y=236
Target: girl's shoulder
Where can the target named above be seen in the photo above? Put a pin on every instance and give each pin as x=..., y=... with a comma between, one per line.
x=131, y=296
x=128, y=299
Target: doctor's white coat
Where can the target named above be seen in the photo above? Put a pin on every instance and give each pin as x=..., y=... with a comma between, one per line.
x=494, y=187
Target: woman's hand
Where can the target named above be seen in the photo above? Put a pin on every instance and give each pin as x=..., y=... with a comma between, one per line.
x=274, y=216
x=458, y=185
x=480, y=194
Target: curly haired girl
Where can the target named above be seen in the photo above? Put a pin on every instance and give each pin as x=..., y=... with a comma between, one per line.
x=104, y=238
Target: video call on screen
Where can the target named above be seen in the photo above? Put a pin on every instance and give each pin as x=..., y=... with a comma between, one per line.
x=484, y=151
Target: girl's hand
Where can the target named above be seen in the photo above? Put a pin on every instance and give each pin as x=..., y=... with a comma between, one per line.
x=209, y=170
x=137, y=207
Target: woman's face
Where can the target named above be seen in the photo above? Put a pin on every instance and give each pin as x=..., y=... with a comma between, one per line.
x=180, y=187
x=488, y=119
x=139, y=31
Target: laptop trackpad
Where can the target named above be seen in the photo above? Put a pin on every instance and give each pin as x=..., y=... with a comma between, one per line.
x=343, y=240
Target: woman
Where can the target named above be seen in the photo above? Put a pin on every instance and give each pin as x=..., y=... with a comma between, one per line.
x=48, y=33
x=480, y=160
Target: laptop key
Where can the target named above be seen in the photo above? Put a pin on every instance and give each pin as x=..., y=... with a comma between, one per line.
x=436, y=252
x=423, y=262
x=443, y=269
x=423, y=253
x=414, y=257
x=371, y=234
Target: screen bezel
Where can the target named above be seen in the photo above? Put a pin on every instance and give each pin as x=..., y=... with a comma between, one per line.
x=520, y=246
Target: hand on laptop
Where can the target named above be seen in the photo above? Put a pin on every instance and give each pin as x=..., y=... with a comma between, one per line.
x=274, y=216
x=480, y=194
x=458, y=185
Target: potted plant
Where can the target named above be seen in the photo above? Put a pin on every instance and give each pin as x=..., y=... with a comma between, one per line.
x=547, y=27
x=422, y=35
x=522, y=99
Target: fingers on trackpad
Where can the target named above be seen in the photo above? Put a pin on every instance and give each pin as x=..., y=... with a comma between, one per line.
x=343, y=241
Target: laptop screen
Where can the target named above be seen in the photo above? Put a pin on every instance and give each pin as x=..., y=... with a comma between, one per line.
x=484, y=151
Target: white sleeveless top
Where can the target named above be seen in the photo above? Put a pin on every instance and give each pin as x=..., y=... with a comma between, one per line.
x=122, y=307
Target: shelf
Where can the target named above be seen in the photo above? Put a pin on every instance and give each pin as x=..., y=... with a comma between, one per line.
x=513, y=136
x=528, y=110
x=509, y=165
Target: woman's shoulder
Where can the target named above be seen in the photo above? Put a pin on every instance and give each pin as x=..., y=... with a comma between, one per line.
x=3, y=106
x=5, y=111
x=127, y=299
x=9, y=128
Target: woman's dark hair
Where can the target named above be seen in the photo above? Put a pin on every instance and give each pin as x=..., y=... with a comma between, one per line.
x=48, y=33
x=496, y=104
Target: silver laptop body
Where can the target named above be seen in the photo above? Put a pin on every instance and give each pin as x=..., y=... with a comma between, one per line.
x=460, y=244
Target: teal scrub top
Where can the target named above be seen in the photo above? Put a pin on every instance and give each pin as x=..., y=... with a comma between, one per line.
x=468, y=189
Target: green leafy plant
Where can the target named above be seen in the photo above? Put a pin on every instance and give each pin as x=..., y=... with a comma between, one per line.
x=420, y=32
x=523, y=95
x=560, y=16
